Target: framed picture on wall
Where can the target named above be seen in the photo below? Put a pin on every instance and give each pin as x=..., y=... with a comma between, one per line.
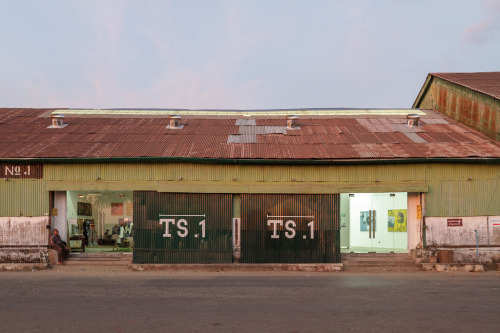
x=84, y=209
x=117, y=209
x=365, y=218
x=396, y=220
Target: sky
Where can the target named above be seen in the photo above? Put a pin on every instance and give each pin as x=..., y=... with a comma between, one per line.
x=235, y=54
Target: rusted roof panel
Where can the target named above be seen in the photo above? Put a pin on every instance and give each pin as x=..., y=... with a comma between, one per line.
x=353, y=134
x=485, y=82
x=436, y=137
x=392, y=137
x=367, y=138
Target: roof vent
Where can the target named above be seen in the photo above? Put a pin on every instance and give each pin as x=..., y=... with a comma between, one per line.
x=412, y=119
x=57, y=121
x=291, y=122
x=174, y=122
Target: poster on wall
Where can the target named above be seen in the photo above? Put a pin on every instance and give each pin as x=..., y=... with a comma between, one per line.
x=117, y=209
x=396, y=220
x=84, y=209
x=364, y=221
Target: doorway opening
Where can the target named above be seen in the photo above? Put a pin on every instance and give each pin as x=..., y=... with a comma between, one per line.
x=374, y=222
x=99, y=221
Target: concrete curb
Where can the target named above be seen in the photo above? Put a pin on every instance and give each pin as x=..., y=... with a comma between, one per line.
x=238, y=267
x=452, y=267
x=16, y=267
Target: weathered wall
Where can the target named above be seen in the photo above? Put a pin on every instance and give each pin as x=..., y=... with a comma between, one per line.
x=472, y=108
x=23, y=239
x=23, y=197
x=453, y=189
x=439, y=234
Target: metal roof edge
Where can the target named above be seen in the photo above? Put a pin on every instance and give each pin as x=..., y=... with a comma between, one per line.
x=436, y=75
x=232, y=113
x=422, y=91
x=482, y=160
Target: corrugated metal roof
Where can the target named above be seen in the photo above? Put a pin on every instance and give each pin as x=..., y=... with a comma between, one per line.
x=485, y=82
x=323, y=134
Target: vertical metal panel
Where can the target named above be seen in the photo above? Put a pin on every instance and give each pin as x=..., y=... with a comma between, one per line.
x=461, y=171
x=23, y=197
x=185, y=241
x=463, y=190
x=463, y=198
x=470, y=107
x=267, y=223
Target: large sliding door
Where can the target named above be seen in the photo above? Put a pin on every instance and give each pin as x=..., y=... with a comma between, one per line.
x=290, y=228
x=182, y=227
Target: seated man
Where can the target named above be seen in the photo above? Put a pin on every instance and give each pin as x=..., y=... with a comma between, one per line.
x=58, y=245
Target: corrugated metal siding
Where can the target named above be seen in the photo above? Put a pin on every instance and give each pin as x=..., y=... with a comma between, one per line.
x=226, y=172
x=347, y=175
x=444, y=172
x=464, y=198
x=23, y=197
x=315, y=221
x=463, y=104
x=181, y=245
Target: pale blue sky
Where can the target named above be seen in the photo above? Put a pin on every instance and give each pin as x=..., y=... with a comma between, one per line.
x=238, y=54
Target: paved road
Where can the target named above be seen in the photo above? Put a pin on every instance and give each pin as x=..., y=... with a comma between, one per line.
x=118, y=300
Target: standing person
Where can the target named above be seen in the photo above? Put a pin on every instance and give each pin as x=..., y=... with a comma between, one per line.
x=122, y=233
x=58, y=245
x=86, y=227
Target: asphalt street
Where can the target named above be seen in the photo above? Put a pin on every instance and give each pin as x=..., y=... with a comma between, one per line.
x=94, y=299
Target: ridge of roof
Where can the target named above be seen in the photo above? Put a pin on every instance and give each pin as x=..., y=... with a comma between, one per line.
x=238, y=113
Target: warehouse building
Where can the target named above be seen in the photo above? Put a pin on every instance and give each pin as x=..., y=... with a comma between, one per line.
x=253, y=186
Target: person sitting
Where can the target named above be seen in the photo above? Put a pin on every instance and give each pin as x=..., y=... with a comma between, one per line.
x=58, y=245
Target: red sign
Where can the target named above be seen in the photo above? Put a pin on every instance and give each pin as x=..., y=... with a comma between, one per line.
x=15, y=171
x=454, y=222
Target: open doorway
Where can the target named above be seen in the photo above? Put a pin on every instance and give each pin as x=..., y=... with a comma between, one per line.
x=100, y=221
x=374, y=222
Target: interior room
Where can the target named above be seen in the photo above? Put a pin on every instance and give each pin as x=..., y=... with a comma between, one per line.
x=100, y=221
x=373, y=222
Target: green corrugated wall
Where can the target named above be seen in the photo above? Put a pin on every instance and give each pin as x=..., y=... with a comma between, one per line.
x=450, y=192
x=475, y=109
x=23, y=197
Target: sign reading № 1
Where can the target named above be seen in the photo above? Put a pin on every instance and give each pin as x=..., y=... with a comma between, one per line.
x=15, y=171
x=454, y=222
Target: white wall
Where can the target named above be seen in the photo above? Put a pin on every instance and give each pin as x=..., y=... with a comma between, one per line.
x=59, y=222
x=24, y=230
x=438, y=232
x=344, y=220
